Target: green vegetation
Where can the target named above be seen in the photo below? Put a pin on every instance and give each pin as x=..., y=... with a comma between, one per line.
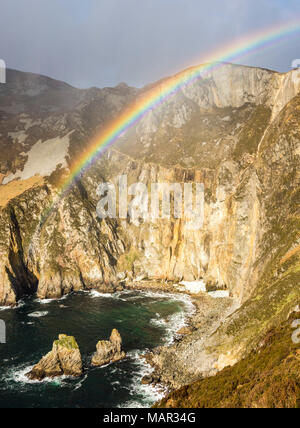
x=268, y=378
x=65, y=341
x=127, y=260
x=252, y=132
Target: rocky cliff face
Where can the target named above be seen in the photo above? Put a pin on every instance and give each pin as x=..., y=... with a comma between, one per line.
x=210, y=132
x=108, y=351
x=63, y=359
x=236, y=130
x=272, y=291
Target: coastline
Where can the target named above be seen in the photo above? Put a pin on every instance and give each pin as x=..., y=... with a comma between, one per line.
x=171, y=368
x=35, y=314
x=171, y=364
x=164, y=370
x=153, y=377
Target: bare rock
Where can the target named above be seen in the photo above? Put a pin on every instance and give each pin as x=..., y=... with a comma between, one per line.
x=116, y=340
x=64, y=359
x=147, y=380
x=185, y=331
x=109, y=350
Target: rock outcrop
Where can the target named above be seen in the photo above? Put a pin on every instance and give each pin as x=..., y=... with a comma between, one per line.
x=209, y=132
x=109, y=350
x=64, y=359
x=235, y=130
x=273, y=287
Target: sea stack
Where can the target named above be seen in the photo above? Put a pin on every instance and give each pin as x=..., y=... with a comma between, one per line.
x=64, y=359
x=109, y=350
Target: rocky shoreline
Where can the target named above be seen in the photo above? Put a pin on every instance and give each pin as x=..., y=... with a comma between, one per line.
x=151, y=285
x=174, y=365
x=170, y=368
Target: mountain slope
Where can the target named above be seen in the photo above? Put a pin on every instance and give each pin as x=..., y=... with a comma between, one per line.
x=236, y=131
x=275, y=276
x=231, y=109
x=268, y=378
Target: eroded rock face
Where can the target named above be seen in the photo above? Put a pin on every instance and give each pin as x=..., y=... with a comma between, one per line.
x=274, y=281
x=236, y=130
x=209, y=132
x=64, y=359
x=109, y=350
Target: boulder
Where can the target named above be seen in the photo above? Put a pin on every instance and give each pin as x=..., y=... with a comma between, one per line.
x=108, y=351
x=147, y=380
x=185, y=331
x=152, y=378
x=64, y=359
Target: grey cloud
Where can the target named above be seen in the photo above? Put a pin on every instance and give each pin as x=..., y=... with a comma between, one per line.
x=103, y=42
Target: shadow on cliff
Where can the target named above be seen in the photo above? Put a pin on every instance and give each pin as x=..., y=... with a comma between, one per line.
x=23, y=281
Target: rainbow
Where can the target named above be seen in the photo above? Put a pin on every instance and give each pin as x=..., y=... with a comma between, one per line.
x=159, y=94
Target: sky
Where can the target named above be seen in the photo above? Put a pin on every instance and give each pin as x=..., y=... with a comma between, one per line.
x=104, y=42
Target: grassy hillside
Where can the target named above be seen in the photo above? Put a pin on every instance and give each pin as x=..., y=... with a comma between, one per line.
x=268, y=378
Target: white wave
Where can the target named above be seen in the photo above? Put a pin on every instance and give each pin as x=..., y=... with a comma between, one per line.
x=135, y=354
x=176, y=321
x=148, y=393
x=129, y=291
x=184, y=298
x=44, y=301
x=159, y=321
x=18, y=306
x=38, y=314
x=18, y=375
x=139, y=395
x=80, y=383
x=104, y=366
x=47, y=301
x=93, y=294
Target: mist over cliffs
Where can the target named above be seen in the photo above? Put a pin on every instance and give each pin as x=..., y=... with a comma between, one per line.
x=236, y=131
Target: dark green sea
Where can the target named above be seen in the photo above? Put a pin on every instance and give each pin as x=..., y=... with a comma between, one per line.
x=144, y=319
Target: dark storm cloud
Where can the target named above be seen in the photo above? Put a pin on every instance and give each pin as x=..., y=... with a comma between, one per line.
x=103, y=42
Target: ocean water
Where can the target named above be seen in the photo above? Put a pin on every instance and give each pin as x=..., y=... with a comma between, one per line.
x=144, y=319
